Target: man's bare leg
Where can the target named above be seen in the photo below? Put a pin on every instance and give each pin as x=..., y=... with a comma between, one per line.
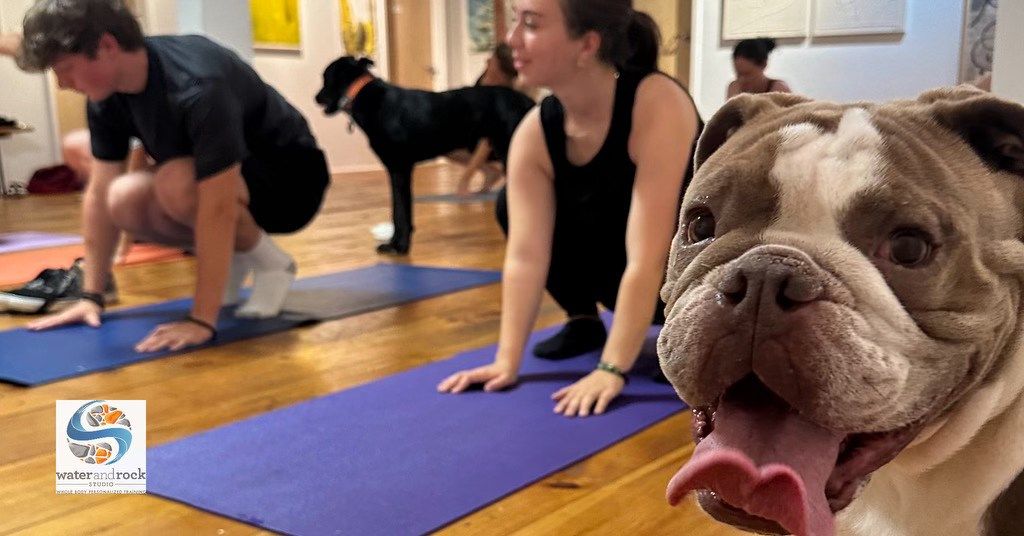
x=161, y=207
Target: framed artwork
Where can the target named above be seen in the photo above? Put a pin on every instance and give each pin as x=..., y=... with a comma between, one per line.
x=858, y=17
x=481, y=25
x=480, y=18
x=979, y=37
x=359, y=27
x=276, y=24
x=746, y=19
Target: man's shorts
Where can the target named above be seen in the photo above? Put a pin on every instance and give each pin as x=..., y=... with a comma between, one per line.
x=286, y=186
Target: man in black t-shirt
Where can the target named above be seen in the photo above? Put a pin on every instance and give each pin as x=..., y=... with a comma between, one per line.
x=234, y=160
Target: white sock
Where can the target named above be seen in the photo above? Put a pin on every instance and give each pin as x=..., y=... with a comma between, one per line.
x=273, y=272
x=241, y=267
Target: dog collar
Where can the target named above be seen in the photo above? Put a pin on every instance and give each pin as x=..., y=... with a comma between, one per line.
x=353, y=91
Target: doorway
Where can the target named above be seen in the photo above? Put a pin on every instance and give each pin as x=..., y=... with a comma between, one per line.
x=410, y=52
x=674, y=21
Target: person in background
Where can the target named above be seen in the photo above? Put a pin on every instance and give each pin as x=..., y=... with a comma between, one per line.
x=76, y=148
x=983, y=82
x=10, y=44
x=499, y=70
x=749, y=60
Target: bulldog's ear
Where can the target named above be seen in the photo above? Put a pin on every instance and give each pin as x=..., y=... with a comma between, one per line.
x=365, y=62
x=738, y=111
x=993, y=127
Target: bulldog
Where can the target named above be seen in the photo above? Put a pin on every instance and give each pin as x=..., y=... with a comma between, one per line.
x=843, y=302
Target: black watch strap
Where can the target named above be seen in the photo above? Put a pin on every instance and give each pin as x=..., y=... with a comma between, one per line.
x=193, y=320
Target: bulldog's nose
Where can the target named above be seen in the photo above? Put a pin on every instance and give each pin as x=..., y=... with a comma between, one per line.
x=771, y=280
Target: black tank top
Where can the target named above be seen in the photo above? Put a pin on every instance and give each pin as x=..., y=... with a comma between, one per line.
x=598, y=194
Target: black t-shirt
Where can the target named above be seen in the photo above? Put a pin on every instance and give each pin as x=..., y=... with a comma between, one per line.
x=200, y=100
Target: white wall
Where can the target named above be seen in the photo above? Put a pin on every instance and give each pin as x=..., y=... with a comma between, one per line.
x=160, y=16
x=463, y=67
x=1007, y=71
x=227, y=21
x=27, y=98
x=842, y=69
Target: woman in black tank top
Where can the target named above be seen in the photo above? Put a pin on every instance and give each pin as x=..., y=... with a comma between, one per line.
x=749, y=60
x=596, y=174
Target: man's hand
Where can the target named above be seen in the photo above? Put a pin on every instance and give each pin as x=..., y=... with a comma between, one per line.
x=174, y=336
x=82, y=311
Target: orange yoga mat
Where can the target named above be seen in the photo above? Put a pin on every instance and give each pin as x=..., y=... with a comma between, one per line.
x=21, y=266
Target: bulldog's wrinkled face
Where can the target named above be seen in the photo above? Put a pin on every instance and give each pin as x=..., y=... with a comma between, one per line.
x=842, y=277
x=338, y=76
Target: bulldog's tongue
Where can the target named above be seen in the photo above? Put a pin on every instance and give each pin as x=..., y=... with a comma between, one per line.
x=765, y=459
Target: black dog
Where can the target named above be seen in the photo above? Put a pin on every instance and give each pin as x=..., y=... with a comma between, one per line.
x=406, y=126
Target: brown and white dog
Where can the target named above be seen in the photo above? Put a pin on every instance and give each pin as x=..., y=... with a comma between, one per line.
x=844, y=301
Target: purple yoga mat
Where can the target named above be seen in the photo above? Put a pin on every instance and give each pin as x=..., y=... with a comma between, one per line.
x=11, y=242
x=394, y=456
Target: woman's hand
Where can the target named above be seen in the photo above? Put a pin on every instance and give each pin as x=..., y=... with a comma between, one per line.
x=595, y=391
x=174, y=336
x=495, y=376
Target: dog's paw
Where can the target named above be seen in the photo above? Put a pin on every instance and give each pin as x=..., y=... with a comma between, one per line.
x=392, y=248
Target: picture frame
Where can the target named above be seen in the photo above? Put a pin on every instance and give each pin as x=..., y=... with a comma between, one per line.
x=276, y=25
x=858, y=17
x=748, y=19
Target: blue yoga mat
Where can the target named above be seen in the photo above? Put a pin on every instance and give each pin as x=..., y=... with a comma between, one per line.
x=32, y=358
x=394, y=456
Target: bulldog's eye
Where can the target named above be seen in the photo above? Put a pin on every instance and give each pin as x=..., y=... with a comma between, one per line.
x=700, y=226
x=909, y=247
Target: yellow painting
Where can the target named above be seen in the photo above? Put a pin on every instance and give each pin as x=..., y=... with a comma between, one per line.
x=358, y=33
x=275, y=24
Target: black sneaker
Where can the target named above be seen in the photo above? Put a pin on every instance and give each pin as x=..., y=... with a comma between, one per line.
x=578, y=336
x=51, y=291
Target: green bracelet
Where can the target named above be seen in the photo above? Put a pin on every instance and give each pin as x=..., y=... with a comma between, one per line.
x=608, y=367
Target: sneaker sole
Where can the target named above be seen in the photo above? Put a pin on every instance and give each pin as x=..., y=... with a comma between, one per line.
x=26, y=305
x=13, y=303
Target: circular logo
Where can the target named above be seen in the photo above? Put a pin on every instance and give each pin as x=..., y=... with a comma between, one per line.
x=99, y=433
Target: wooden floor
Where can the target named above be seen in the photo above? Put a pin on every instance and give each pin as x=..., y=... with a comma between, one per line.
x=618, y=491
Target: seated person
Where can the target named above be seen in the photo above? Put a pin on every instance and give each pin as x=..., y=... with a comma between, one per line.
x=10, y=43
x=983, y=82
x=76, y=147
x=749, y=60
x=500, y=70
